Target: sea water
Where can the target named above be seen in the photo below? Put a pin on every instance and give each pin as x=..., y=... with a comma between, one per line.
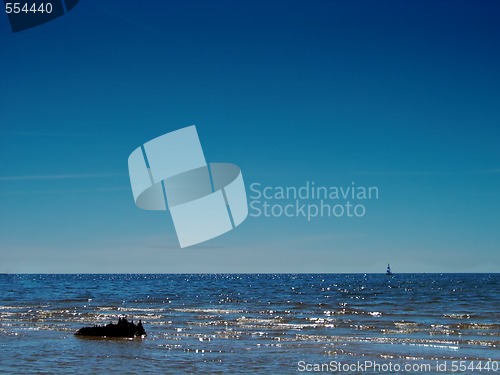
x=253, y=323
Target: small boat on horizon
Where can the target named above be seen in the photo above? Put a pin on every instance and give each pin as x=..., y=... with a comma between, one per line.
x=388, y=272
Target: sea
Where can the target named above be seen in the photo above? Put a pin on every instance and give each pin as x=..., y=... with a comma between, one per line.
x=252, y=323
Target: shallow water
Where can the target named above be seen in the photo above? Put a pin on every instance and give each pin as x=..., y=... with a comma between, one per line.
x=250, y=323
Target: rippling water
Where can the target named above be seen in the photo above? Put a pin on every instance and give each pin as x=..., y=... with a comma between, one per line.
x=247, y=323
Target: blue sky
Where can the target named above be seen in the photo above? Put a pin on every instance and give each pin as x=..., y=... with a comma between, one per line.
x=399, y=95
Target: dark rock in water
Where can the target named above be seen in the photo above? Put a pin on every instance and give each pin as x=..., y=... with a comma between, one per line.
x=124, y=328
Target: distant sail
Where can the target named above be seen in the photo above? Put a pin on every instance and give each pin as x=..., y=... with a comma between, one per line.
x=388, y=272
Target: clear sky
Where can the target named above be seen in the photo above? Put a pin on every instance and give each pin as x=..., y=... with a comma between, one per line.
x=404, y=96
